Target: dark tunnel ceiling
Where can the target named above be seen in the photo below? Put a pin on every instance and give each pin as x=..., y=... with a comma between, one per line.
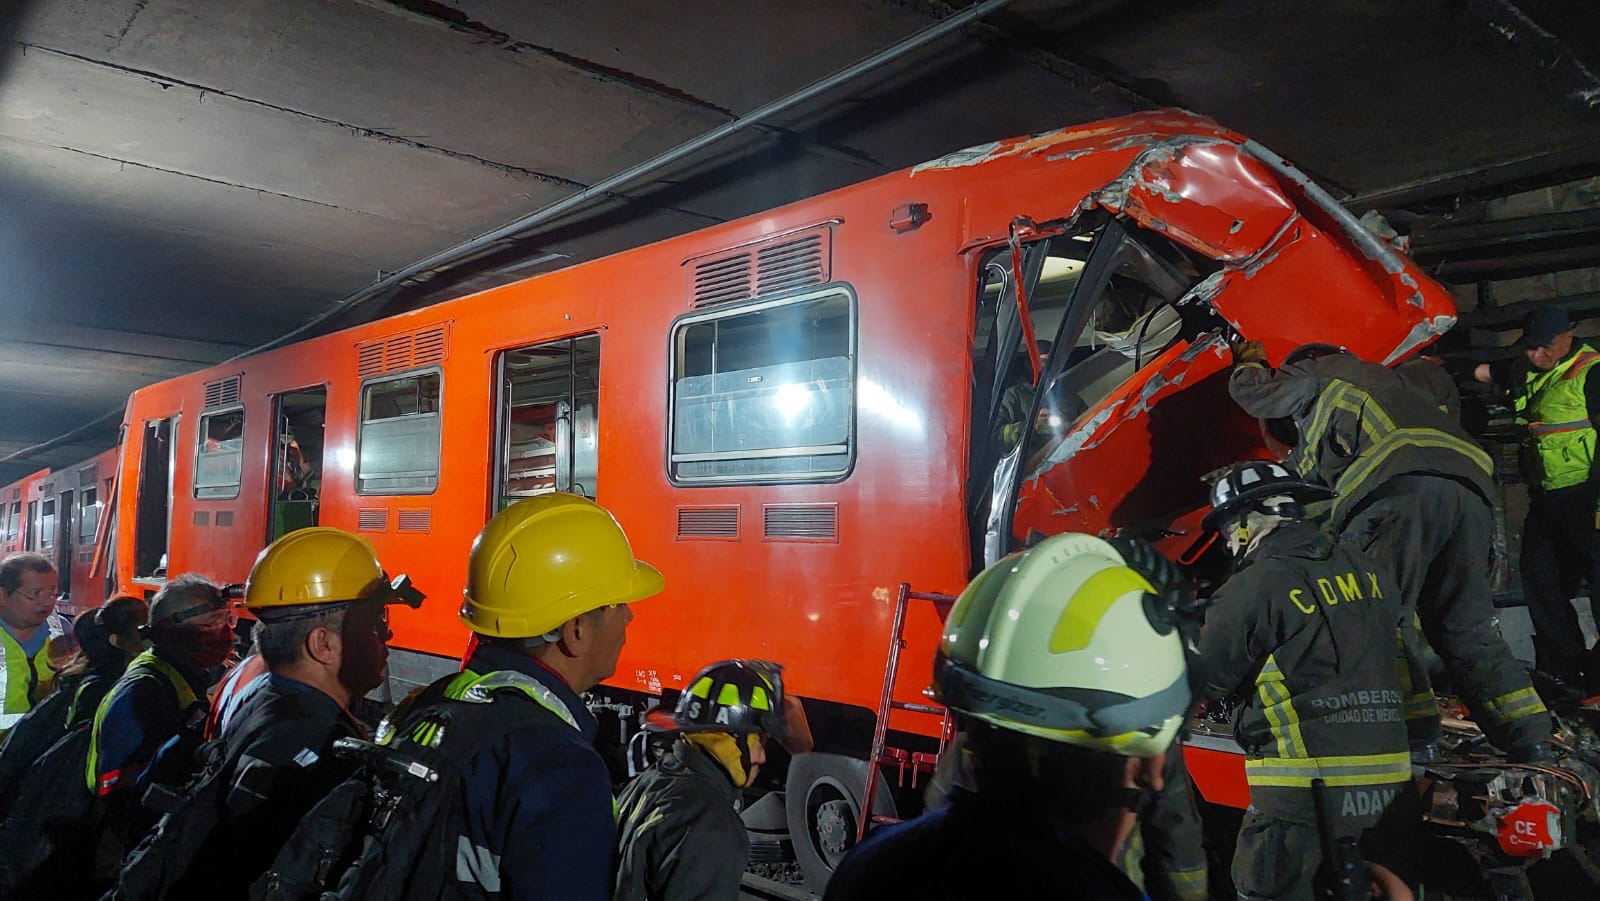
x=181, y=179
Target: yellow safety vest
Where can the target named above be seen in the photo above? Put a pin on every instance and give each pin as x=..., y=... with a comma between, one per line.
x=1554, y=409
x=145, y=666
x=25, y=682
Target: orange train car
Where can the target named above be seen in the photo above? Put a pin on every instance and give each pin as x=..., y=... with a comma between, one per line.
x=64, y=508
x=795, y=413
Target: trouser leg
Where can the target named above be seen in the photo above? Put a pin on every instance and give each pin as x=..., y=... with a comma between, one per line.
x=1385, y=530
x=1174, y=863
x=1275, y=859
x=1557, y=636
x=1458, y=618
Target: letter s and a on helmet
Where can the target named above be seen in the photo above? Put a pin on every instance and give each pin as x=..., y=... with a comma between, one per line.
x=728, y=696
x=307, y=570
x=1057, y=642
x=1252, y=485
x=542, y=561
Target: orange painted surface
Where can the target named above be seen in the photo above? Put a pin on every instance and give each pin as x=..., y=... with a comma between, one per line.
x=823, y=607
x=1219, y=775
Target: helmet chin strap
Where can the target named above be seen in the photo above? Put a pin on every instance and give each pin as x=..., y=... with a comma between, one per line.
x=1246, y=533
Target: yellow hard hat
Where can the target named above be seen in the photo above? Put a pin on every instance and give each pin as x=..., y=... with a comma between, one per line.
x=317, y=565
x=544, y=560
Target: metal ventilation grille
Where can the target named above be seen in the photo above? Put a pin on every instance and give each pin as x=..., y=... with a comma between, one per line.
x=224, y=518
x=222, y=392
x=370, y=358
x=416, y=520
x=430, y=346
x=47, y=489
x=722, y=281
x=794, y=264
x=88, y=476
x=408, y=350
x=372, y=519
x=202, y=517
x=800, y=522
x=774, y=267
x=720, y=523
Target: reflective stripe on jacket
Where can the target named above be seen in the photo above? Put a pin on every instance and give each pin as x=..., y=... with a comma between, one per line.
x=1305, y=631
x=1555, y=410
x=25, y=682
x=1360, y=425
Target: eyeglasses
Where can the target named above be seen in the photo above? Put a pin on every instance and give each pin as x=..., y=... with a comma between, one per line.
x=37, y=594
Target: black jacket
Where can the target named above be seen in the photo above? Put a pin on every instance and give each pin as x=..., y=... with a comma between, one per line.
x=1305, y=633
x=973, y=850
x=680, y=835
x=279, y=755
x=1361, y=424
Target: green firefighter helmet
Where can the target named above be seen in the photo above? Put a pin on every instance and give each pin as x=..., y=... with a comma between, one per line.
x=1055, y=641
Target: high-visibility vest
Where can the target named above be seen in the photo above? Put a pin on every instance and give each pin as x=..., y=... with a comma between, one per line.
x=1556, y=413
x=25, y=682
x=145, y=666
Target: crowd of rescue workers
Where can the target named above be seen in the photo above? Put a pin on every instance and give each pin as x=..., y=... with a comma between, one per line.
x=144, y=760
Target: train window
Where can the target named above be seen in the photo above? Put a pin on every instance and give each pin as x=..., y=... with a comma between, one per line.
x=219, y=455
x=549, y=427
x=88, y=515
x=14, y=521
x=399, y=444
x=47, y=523
x=765, y=392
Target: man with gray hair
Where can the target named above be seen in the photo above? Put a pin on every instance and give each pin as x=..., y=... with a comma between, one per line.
x=321, y=598
x=160, y=694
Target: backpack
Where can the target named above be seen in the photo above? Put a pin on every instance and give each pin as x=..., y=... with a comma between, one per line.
x=390, y=831
x=166, y=853
x=42, y=727
x=54, y=829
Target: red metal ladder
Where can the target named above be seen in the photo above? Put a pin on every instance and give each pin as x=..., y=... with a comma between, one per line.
x=917, y=761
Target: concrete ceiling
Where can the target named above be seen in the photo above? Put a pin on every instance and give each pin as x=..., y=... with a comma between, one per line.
x=183, y=179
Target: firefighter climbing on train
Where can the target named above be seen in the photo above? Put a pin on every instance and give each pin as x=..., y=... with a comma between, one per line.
x=1303, y=633
x=1414, y=492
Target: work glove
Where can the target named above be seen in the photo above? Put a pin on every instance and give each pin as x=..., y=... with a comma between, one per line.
x=1248, y=352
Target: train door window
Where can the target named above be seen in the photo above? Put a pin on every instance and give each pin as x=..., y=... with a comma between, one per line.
x=765, y=392
x=297, y=446
x=549, y=423
x=47, y=523
x=31, y=528
x=14, y=521
x=64, y=546
x=5, y=522
x=88, y=513
x=154, y=521
x=400, y=430
x=219, y=454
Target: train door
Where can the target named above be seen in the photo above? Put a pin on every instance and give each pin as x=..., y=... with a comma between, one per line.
x=548, y=422
x=297, y=444
x=153, y=525
x=65, y=549
x=30, y=540
x=14, y=521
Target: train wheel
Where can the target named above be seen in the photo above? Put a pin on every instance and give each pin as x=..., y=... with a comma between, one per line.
x=822, y=800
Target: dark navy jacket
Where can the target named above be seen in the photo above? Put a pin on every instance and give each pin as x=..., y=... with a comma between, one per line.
x=970, y=850
x=539, y=821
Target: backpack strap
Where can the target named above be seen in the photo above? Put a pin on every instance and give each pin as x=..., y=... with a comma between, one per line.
x=148, y=665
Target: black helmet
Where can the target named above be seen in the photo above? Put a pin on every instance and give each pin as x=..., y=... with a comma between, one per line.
x=727, y=696
x=1311, y=352
x=1255, y=480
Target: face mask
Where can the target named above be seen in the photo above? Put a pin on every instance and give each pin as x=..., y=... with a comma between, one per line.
x=202, y=646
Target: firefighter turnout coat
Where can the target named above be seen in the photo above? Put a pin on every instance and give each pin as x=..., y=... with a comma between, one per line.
x=1305, y=634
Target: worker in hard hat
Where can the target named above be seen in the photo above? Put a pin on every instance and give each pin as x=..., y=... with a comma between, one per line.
x=1304, y=633
x=1065, y=670
x=321, y=599
x=549, y=581
x=680, y=835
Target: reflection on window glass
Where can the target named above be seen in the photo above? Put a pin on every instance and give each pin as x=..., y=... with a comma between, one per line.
x=765, y=394
x=220, y=455
x=47, y=524
x=399, y=449
x=88, y=515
